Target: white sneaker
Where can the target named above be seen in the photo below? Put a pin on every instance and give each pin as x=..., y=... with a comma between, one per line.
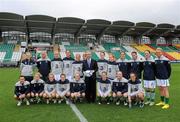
x=147, y=102
x=125, y=103
x=27, y=102
x=38, y=100
x=59, y=101
x=135, y=103
x=130, y=105
x=31, y=100
x=55, y=101
x=19, y=103
x=117, y=103
x=141, y=104
x=67, y=102
x=151, y=103
x=47, y=101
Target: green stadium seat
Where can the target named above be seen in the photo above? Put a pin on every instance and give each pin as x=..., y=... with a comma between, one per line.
x=50, y=55
x=94, y=56
x=8, y=48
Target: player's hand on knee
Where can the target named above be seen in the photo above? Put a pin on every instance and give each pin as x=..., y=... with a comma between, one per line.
x=28, y=95
x=125, y=95
x=22, y=96
x=32, y=94
x=68, y=94
x=119, y=94
x=15, y=97
x=83, y=94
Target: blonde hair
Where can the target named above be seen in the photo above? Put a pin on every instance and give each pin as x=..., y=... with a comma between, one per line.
x=159, y=49
x=23, y=57
x=50, y=74
x=38, y=74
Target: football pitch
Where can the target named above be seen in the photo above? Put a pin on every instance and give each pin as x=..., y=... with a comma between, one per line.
x=9, y=112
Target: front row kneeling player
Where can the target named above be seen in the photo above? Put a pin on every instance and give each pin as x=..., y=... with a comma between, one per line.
x=37, y=88
x=104, y=88
x=22, y=91
x=120, y=88
x=77, y=88
x=50, y=89
x=62, y=88
x=135, y=91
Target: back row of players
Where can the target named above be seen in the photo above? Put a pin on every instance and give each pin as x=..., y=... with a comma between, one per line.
x=122, y=78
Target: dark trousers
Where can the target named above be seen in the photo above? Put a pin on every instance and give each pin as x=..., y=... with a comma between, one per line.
x=44, y=78
x=28, y=78
x=90, y=89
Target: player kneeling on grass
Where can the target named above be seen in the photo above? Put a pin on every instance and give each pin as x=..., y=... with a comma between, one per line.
x=135, y=91
x=120, y=88
x=104, y=88
x=77, y=88
x=62, y=88
x=22, y=91
x=37, y=88
x=50, y=89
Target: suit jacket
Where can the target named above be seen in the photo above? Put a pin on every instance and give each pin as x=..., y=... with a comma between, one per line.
x=93, y=66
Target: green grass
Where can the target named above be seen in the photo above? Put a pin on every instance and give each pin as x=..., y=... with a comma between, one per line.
x=36, y=113
x=102, y=113
x=113, y=113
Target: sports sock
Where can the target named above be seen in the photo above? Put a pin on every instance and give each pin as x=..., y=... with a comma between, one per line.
x=148, y=95
x=166, y=100
x=98, y=99
x=152, y=96
x=162, y=98
x=107, y=99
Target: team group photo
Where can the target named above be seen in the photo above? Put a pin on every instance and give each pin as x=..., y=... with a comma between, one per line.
x=109, y=80
x=89, y=61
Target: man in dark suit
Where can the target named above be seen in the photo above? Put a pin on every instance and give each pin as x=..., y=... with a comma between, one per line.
x=90, y=67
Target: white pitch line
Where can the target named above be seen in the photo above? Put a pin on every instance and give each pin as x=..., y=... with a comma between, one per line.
x=77, y=112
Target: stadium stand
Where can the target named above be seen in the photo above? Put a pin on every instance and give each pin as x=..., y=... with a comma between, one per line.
x=143, y=47
x=177, y=46
x=129, y=48
x=175, y=55
x=79, y=35
x=8, y=48
x=166, y=49
x=51, y=54
x=94, y=56
x=2, y=55
x=99, y=48
x=62, y=55
x=16, y=56
x=76, y=48
x=62, y=48
x=174, y=48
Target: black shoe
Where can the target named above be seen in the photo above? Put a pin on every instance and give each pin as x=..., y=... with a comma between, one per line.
x=141, y=104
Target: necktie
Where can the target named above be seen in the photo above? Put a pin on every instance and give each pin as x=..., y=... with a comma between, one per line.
x=89, y=62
